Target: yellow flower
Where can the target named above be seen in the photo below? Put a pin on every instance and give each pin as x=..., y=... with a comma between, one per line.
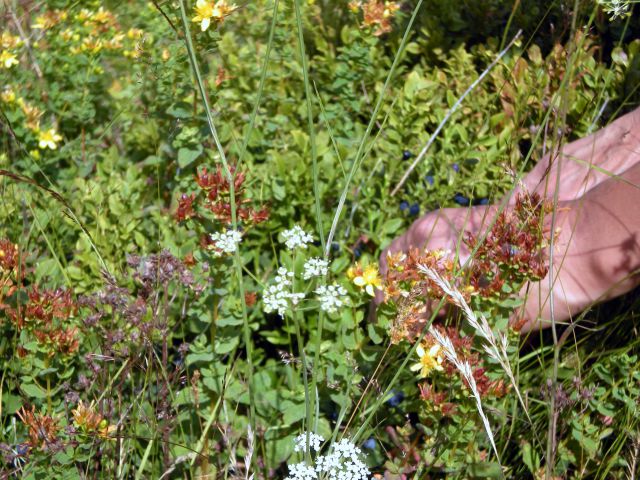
x=41, y=23
x=67, y=35
x=84, y=15
x=208, y=9
x=49, y=19
x=32, y=113
x=367, y=278
x=92, y=45
x=204, y=12
x=8, y=95
x=89, y=421
x=354, y=6
x=8, y=59
x=134, y=33
x=102, y=16
x=429, y=360
x=49, y=139
x=115, y=42
x=9, y=41
x=390, y=9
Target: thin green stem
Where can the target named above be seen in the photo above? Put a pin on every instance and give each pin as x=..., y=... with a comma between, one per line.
x=263, y=77
x=232, y=201
x=564, y=99
x=311, y=126
x=305, y=379
x=363, y=141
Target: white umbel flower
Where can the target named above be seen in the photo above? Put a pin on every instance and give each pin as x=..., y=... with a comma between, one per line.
x=226, y=242
x=315, y=267
x=301, y=471
x=276, y=297
x=296, y=237
x=343, y=462
x=314, y=442
x=331, y=297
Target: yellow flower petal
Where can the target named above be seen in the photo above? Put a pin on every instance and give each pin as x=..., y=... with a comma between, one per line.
x=415, y=367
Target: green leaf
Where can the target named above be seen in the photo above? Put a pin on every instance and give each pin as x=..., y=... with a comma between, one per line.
x=180, y=110
x=277, y=186
x=292, y=411
x=486, y=470
x=375, y=337
x=11, y=403
x=33, y=390
x=186, y=156
x=530, y=457
x=392, y=226
x=225, y=344
x=204, y=357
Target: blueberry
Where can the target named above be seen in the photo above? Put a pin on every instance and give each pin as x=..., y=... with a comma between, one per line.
x=455, y=167
x=429, y=179
x=414, y=209
x=357, y=253
x=404, y=205
x=461, y=200
x=406, y=155
x=483, y=201
x=335, y=246
x=396, y=399
x=316, y=243
x=333, y=415
x=369, y=444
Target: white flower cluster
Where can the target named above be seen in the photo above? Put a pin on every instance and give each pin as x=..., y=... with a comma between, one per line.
x=342, y=463
x=315, y=267
x=331, y=297
x=226, y=242
x=296, y=237
x=301, y=471
x=314, y=442
x=276, y=297
x=615, y=8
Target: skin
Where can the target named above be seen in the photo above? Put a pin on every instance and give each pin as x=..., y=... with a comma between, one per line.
x=593, y=196
x=597, y=255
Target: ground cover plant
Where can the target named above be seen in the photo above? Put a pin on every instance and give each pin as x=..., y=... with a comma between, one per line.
x=195, y=195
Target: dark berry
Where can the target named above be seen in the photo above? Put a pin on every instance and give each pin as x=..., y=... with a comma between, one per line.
x=369, y=444
x=455, y=167
x=316, y=243
x=335, y=246
x=357, y=253
x=483, y=201
x=404, y=205
x=429, y=179
x=406, y=155
x=461, y=200
x=414, y=209
x=396, y=399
